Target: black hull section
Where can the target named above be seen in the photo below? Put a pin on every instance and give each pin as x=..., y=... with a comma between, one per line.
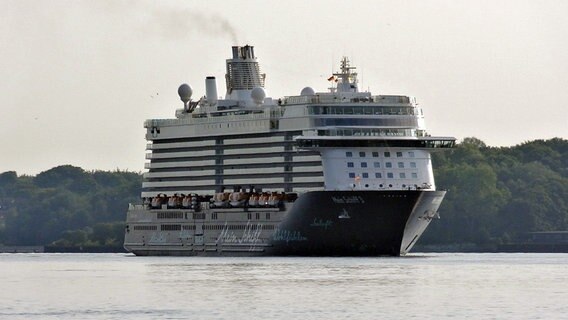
x=324, y=223
x=356, y=223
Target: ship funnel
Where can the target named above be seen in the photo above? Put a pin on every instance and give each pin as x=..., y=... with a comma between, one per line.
x=211, y=90
x=243, y=71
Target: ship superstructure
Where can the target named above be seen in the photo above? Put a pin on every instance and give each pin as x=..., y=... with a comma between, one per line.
x=249, y=174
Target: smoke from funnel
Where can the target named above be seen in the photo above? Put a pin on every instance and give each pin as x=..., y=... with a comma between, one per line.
x=179, y=23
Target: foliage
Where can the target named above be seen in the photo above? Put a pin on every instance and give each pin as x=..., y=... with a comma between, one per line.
x=66, y=206
x=495, y=195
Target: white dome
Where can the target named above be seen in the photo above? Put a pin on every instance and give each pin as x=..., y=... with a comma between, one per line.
x=185, y=92
x=307, y=91
x=258, y=94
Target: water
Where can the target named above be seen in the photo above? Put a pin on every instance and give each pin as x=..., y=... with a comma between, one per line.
x=419, y=286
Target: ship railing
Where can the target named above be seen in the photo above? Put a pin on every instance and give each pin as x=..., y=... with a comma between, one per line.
x=360, y=98
x=300, y=100
x=136, y=206
x=227, y=118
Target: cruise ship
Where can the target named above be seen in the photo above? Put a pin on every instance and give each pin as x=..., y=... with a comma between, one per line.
x=336, y=173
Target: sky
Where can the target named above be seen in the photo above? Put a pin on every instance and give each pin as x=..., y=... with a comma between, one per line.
x=78, y=78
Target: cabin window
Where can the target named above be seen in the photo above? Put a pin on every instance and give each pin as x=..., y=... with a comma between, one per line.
x=402, y=175
x=377, y=164
x=401, y=165
x=387, y=154
x=351, y=174
x=362, y=154
x=363, y=164
x=390, y=175
x=365, y=175
x=414, y=175
x=399, y=154
x=388, y=164
x=350, y=165
x=375, y=154
x=378, y=175
x=413, y=164
x=349, y=154
x=411, y=154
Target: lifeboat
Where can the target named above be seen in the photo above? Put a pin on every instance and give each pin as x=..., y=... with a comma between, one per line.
x=253, y=200
x=274, y=200
x=186, y=202
x=221, y=199
x=175, y=201
x=263, y=200
x=237, y=199
x=158, y=201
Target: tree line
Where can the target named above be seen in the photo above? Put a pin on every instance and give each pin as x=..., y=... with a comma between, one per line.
x=496, y=195
x=66, y=206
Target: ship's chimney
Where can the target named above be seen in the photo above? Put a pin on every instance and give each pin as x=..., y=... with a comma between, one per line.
x=211, y=90
x=243, y=72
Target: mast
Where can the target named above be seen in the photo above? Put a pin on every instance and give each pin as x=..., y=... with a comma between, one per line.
x=346, y=78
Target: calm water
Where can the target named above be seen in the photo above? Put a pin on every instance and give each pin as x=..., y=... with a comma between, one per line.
x=420, y=286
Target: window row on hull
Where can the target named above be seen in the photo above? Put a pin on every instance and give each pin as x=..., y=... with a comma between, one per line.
x=244, y=145
x=259, y=155
x=281, y=186
x=287, y=135
x=376, y=143
x=248, y=165
x=405, y=122
x=237, y=176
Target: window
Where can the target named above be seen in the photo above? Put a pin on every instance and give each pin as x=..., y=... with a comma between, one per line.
x=198, y=216
x=377, y=164
x=363, y=164
x=145, y=227
x=413, y=164
x=365, y=175
x=170, y=227
x=411, y=154
x=348, y=154
x=390, y=175
x=401, y=164
x=414, y=175
x=362, y=154
x=350, y=165
x=351, y=174
x=387, y=154
x=378, y=175
x=388, y=164
x=375, y=154
x=268, y=216
x=399, y=154
x=402, y=175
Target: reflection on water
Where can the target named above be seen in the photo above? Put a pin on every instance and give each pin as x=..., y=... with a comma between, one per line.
x=425, y=286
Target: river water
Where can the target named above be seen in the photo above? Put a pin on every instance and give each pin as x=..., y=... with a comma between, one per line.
x=418, y=286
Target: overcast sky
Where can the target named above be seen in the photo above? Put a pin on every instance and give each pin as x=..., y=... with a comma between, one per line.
x=78, y=78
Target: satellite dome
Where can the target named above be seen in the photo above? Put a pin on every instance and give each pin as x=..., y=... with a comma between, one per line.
x=258, y=94
x=185, y=92
x=307, y=91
